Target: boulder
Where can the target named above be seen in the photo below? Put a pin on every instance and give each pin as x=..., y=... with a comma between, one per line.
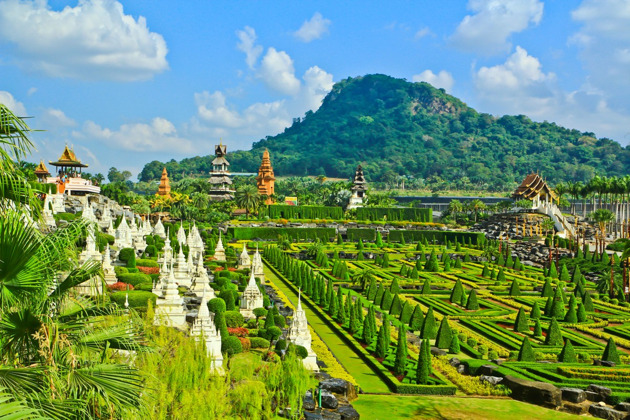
x=624, y=406
x=329, y=400
x=487, y=370
x=309, y=402
x=607, y=363
x=601, y=390
x=574, y=395
x=438, y=352
x=461, y=369
x=330, y=415
x=454, y=361
x=539, y=393
x=348, y=412
x=604, y=412
x=573, y=408
x=490, y=379
x=594, y=396
x=340, y=386
x=312, y=416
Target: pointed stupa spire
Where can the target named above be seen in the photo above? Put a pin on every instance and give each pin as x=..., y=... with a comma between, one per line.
x=165, y=187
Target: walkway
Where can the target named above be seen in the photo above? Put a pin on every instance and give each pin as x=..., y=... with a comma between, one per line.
x=365, y=377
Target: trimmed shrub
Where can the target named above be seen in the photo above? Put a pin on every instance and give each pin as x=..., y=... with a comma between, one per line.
x=454, y=347
x=429, y=329
x=535, y=313
x=137, y=298
x=135, y=279
x=128, y=255
x=234, y=319
x=231, y=345
x=526, y=353
x=280, y=344
x=554, y=334
x=145, y=262
x=456, y=293
x=394, y=214
x=426, y=287
x=417, y=319
x=610, y=352
x=401, y=351
x=514, y=289
x=472, y=304
x=424, y=363
x=520, y=324
x=567, y=355
x=216, y=305
x=444, y=335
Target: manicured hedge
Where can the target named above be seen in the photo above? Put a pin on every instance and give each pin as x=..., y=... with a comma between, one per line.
x=476, y=238
x=270, y=233
x=137, y=298
x=145, y=262
x=135, y=279
x=44, y=187
x=354, y=234
x=397, y=213
x=260, y=343
x=280, y=211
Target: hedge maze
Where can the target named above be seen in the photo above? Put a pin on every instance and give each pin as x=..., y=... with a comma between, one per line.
x=447, y=296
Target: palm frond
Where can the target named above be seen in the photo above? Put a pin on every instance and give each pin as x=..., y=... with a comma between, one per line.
x=14, y=141
x=17, y=329
x=77, y=276
x=22, y=381
x=60, y=409
x=117, y=384
x=16, y=192
x=12, y=408
x=123, y=336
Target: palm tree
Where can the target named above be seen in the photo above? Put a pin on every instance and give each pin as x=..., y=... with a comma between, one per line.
x=602, y=217
x=454, y=207
x=476, y=206
x=364, y=277
x=248, y=198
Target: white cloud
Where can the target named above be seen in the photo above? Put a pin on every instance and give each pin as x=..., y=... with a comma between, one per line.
x=488, y=30
x=423, y=32
x=317, y=84
x=13, y=104
x=442, y=80
x=604, y=42
x=159, y=135
x=247, y=44
x=278, y=73
x=93, y=40
x=313, y=29
x=31, y=91
x=57, y=118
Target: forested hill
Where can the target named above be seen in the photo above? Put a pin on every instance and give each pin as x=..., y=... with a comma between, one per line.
x=393, y=127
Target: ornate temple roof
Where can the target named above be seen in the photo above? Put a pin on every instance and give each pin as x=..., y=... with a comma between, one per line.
x=165, y=187
x=359, y=180
x=533, y=185
x=68, y=158
x=41, y=169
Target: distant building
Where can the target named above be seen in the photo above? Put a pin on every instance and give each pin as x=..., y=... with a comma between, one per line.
x=41, y=172
x=220, y=177
x=165, y=187
x=69, y=178
x=358, y=189
x=266, y=179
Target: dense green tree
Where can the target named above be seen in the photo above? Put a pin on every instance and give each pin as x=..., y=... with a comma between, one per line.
x=429, y=329
x=610, y=352
x=454, y=347
x=535, y=313
x=472, y=304
x=514, y=289
x=401, y=352
x=417, y=319
x=423, y=366
x=554, y=334
x=456, y=293
x=520, y=324
x=444, y=335
x=526, y=353
x=426, y=287
x=567, y=355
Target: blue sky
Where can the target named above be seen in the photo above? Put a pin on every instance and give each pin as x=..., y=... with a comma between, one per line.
x=127, y=82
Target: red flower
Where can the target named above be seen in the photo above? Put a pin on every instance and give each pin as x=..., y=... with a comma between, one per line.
x=148, y=270
x=239, y=332
x=120, y=286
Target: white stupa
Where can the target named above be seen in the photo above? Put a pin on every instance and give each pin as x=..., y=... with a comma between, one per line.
x=243, y=260
x=219, y=251
x=169, y=309
x=123, y=234
x=204, y=329
x=158, y=229
x=90, y=252
x=181, y=234
x=301, y=336
x=201, y=281
x=257, y=267
x=182, y=273
x=88, y=213
x=47, y=213
x=251, y=299
x=110, y=229
x=195, y=243
x=108, y=268
x=167, y=251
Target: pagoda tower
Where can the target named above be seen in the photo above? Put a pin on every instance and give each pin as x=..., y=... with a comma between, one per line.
x=220, y=177
x=266, y=179
x=68, y=178
x=244, y=261
x=108, y=268
x=169, y=309
x=251, y=299
x=358, y=189
x=219, y=251
x=257, y=267
x=42, y=172
x=204, y=329
x=301, y=336
x=165, y=187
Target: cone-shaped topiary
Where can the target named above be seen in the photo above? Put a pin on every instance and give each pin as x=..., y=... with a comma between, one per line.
x=554, y=334
x=422, y=369
x=520, y=324
x=414, y=274
x=381, y=343
x=458, y=263
x=405, y=314
x=577, y=275
x=456, y=293
x=567, y=355
x=386, y=303
x=557, y=311
x=463, y=299
x=514, y=289
x=444, y=335
x=581, y=313
x=472, y=304
x=396, y=306
x=454, y=347
x=564, y=274
x=501, y=275
x=417, y=319
x=486, y=271
x=588, y=302
x=401, y=352
x=548, y=306
x=371, y=291
x=553, y=273
x=379, y=240
x=428, y=326
x=610, y=352
x=526, y=353
x=394, y=288
x=571, y=316
x=426, y=287
x=537, y=329
x=535, y=313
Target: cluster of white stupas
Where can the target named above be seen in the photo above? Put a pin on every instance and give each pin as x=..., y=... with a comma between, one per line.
x=300, y=335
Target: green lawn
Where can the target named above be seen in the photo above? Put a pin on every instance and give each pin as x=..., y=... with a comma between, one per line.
x=367, y=379
x=388, y=407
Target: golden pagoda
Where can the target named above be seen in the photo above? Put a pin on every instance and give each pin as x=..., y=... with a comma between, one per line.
x=536, y=189
x=42, y=172
x=68, y=163
x=265, y=179
x=165, y=187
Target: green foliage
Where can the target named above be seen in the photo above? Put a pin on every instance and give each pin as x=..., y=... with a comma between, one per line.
x=401, y=351
x=426, y=287
x=281, y=211
x=392, y=214
x=472, y=304
x=610, y=352
x=439, y=236
x=354, y=234
x=424, y=362
x=135, y=279
x=526, y=353
x=456, y=293
x=588, y=302
x=581, y=313
x=567, y=355
x=231, y=345
x=137, y=298
x=554, y=334
x=128, y=255
x=382, y=346
x=454, y=347
x=429, y=329
x=535, y=313
x=537, y=329
x=444, y=335
x=272, y=233
x=514, y=289
x=143, y=262
x=386, y=303
x=520, y=324
x=259, y=343
x=234, y=319
x=417, y=319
